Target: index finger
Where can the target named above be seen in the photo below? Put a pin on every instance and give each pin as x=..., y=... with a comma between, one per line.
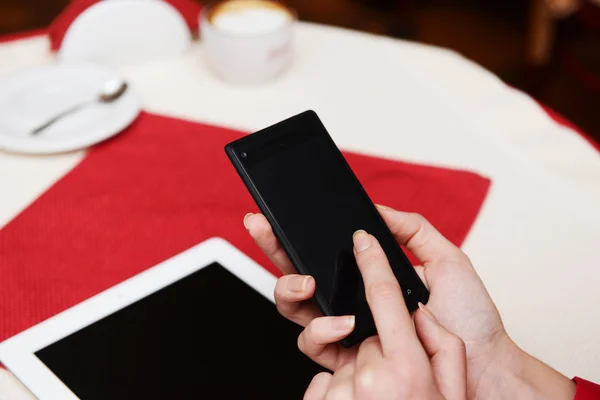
x=392, y=319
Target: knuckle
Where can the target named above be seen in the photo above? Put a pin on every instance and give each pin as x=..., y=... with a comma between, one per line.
x=458, y=260
x=280, y=288
x=420, y=218
x=267, y=242
x=339, y=393
x=370, y=341
x=365, y=381
x=283, y=306
x=307, y=339
x=455, y=343
x=320, y=377
x=370, y=257
x=424, y=226
x=310, y=329
x=383, y=290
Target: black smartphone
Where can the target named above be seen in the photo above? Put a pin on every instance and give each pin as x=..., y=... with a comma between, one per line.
x=314, y=202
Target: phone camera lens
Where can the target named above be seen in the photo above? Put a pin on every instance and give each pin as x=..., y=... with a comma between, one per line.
x=244, y=155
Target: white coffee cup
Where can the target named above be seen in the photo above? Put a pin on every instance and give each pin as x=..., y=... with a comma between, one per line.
x=247, y=41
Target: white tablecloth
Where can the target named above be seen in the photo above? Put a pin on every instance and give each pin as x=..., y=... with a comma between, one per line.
x=535, y=243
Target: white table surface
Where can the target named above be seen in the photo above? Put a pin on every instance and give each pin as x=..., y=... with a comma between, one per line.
x=535, y=243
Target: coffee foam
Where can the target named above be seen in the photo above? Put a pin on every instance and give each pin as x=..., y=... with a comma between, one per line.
x=250, y=16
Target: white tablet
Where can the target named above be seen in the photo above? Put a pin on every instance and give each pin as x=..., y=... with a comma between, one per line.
x=199, y=325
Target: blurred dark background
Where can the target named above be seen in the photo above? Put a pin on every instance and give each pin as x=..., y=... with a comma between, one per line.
x=548, y=48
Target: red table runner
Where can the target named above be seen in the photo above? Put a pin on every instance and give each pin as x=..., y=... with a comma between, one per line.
x=159, y=188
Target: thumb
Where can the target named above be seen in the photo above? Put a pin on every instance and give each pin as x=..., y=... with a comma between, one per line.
x=415, y=233
x=446, y=353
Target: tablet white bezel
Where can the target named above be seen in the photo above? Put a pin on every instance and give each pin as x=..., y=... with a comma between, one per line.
x=18, y=352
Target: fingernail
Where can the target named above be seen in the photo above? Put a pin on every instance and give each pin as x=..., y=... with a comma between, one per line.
x=298, y=284
x=428, y=313
x=382, y=207
x=246, y=218
x=362, y=240
x=343, y=323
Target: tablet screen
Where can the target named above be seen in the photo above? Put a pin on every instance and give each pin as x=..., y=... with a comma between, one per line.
x=208, y=335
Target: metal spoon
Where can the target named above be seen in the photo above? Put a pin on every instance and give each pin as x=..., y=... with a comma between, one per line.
x=111, y=91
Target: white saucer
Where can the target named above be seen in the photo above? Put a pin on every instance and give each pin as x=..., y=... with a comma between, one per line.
x=30, y=98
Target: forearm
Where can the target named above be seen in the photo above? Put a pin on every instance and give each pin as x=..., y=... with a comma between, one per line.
x=514, y=374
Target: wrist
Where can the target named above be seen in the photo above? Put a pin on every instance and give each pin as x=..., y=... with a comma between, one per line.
x=512, y=373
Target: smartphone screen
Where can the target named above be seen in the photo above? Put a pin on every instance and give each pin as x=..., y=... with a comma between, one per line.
x=315, y=203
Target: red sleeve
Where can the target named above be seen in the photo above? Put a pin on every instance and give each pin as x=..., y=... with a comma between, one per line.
x=586, y=390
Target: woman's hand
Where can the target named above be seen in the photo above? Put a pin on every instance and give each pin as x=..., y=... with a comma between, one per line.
x=457, y=295
x=497, y=368
x=406, y=361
